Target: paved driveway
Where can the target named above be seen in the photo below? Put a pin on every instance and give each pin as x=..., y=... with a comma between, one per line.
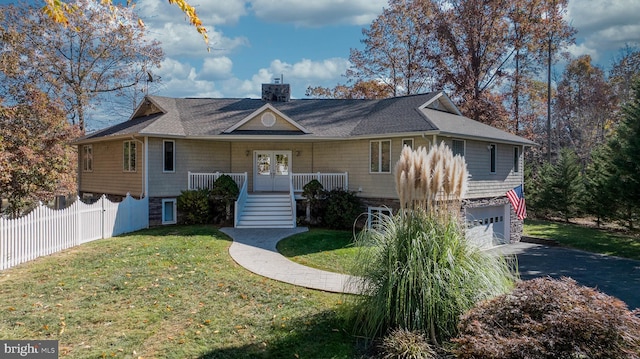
x=612, y=275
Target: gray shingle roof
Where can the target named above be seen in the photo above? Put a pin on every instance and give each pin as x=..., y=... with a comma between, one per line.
x=323, y=118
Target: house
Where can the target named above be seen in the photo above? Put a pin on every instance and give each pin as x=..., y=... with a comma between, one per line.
x=275, y=145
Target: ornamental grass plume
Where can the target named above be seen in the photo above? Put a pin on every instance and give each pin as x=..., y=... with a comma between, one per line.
x=426, y=179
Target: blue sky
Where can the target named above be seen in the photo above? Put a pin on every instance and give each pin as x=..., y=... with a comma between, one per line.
x=308, y=42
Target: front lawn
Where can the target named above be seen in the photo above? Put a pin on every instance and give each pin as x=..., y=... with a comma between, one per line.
x=168, y=292
x=589, y=239
x=333, y=250
x=325, y=249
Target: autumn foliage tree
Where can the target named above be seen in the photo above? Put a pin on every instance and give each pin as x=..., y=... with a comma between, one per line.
x=395, y=51
x=584, y=107
x=36, y=160
x=370, y=89
x=465, y=47
x=94, y=54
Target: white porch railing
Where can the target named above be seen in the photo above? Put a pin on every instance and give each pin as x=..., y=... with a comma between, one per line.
x=329, y=181
x=206, y=180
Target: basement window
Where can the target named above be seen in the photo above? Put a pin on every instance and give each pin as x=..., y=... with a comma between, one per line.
x=169, y=211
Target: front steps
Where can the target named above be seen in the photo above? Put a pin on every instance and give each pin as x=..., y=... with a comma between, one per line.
x=267, y=210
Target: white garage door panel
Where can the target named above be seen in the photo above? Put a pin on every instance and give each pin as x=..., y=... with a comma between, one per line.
x=486, y=226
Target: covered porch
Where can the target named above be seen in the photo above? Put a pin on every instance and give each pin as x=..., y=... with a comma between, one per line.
x=269, y=208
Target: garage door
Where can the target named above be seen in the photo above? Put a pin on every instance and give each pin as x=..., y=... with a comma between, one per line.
x=488, y=226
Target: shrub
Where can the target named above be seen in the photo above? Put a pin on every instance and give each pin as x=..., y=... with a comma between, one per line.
x=422, y=274
x=193, y=207
x=314, y=193
x=342, y=210
x=405, y=344
x=225, y=191
x=548, y=318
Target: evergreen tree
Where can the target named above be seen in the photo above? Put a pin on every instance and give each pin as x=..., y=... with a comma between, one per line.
x=600, y=185
x=625, y=152
x=562, y=186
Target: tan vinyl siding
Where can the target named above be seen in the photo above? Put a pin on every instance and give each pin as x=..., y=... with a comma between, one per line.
x=255, y=124
x=108, y=175
x=191, y=155
x=353, y=157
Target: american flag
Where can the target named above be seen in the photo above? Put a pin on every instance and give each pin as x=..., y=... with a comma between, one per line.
x=516, y=197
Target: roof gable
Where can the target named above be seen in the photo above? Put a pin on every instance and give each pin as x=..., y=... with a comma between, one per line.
x=267, y=118
x=147, y=107
x=441, y=102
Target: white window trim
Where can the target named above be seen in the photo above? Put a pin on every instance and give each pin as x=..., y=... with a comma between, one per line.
x=516, y=159
x=380, y=157
x=464, y=146
x=163, y=156
x=125, y=164
x=494, y=158
x=175, y=210
x=407, y=140
x=85, y=158
x=372, y=210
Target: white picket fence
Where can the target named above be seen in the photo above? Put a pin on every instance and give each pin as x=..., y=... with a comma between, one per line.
x=45, y=231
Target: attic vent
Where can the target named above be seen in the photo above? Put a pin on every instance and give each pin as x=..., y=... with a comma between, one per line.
x=276, y=92
x=268, y=119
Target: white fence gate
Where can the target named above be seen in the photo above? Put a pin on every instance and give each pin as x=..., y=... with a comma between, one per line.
x=45, y=231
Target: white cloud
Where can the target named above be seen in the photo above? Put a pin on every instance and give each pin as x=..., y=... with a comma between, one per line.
x=167, y=24
x=583, y=49
x=216, y=68
x=213, y=12
x=180, y=79
x=318, y=13
x=604, y=26
x=311, y=70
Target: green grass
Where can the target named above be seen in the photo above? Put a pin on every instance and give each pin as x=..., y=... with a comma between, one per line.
x=585, y=238
x=170, y=292
x=325, y=249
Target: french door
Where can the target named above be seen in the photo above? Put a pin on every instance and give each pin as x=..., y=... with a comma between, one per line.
x=271, y=170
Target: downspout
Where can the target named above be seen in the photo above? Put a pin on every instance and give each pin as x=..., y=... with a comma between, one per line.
x=146, y=165
x=145, y=178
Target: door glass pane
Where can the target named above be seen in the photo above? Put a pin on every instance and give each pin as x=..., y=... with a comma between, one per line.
x=282, y=164
x=263, y=161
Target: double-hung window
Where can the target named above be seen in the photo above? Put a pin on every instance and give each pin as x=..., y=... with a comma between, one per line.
x=380, y=156
x=169, y=150
x=129, y=156
x=516, y=159
x=457, y=147
x=87, y=158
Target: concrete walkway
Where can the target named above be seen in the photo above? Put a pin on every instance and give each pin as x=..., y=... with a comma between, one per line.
x=255, y=250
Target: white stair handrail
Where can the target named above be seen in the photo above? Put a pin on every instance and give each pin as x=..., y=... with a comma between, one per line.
x=240, y=202
x=293, y=203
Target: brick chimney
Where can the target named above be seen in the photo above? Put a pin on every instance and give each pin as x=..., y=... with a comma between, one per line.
x=276, y=91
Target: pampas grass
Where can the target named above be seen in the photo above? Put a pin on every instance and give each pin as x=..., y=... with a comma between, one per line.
x=431, y=180
x=420, y=273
